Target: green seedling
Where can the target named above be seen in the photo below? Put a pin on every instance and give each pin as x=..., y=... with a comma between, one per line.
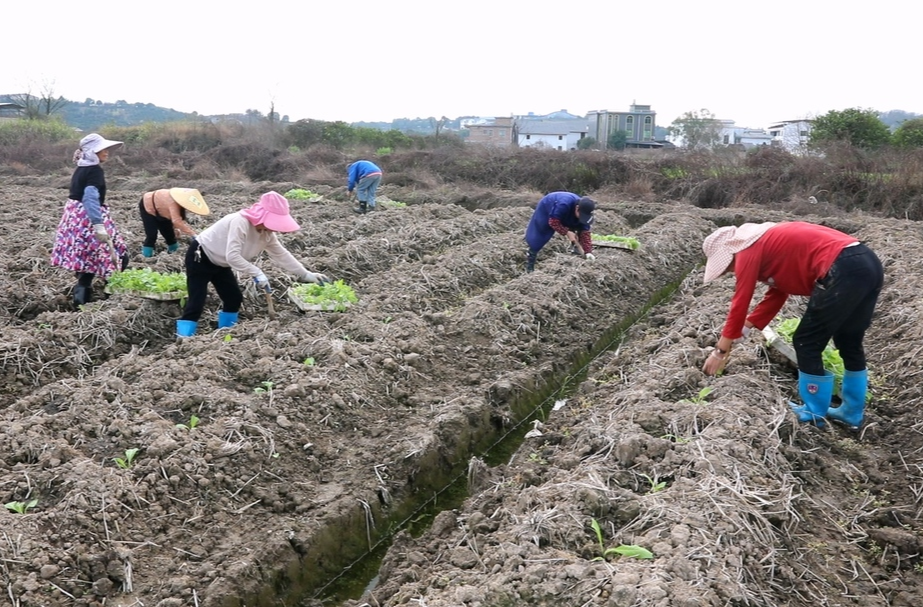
x=393, y=204
x=655, y=485
x=145, y=280
x=333, y=296
x=264, y=387
x=537, y=459
x=125, y=462
x=629, y=550
x=193, y=422
x=301, y=194
x=21, y=507
x=228, y=338
x=309, y=361
x=629, y=242
x=700, y=398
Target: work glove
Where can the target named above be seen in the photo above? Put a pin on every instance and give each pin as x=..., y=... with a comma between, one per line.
x=746, y=333
x=262, y=283
x=590, y=257
x=314, y=277
x=99, y=230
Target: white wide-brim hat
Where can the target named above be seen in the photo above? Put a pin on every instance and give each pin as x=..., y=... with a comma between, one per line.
x=96, y=143
x=721, y=245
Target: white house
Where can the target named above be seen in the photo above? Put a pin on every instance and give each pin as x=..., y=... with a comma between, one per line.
x=731, y=134
x=793, y=135
x=728, y=133
x=551, y=134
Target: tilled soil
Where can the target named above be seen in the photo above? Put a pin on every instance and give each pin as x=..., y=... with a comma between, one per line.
x=297, y=467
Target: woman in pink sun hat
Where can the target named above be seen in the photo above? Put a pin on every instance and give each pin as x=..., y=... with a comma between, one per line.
x=227, y=246
x=841, y=276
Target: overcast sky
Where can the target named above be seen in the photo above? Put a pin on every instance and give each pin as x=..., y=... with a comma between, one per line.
x=357, y=60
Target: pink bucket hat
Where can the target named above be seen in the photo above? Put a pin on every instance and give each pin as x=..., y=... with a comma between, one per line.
x=272, y=212
x=721, y=245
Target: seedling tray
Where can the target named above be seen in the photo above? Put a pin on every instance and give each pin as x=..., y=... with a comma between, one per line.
x=775, y=342
x=170, y=296
x=332, y=306
x=612, y=245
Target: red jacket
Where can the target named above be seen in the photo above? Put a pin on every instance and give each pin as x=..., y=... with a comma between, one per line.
x=790, y=257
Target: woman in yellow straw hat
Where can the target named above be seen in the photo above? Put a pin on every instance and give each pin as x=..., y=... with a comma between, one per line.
x=842, y=277
x=164, y=211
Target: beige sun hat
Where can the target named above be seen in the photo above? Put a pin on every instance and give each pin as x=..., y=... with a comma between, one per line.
x=721, y=245
x=190, y=199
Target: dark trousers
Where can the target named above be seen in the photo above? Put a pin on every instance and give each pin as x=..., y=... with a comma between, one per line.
x=154, y=224
x=841, y=307
x=199, y=272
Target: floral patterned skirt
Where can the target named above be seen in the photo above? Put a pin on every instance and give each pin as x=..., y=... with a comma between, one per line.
x=76, y=247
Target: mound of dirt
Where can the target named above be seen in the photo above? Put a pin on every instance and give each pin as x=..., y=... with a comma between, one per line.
x=249, y=466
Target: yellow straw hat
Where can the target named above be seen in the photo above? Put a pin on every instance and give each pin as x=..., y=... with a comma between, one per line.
x=190, y=199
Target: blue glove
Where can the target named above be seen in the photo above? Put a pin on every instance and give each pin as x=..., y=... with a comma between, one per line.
x=262, y=283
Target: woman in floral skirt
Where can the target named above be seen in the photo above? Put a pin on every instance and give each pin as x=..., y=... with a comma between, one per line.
x=86, y=235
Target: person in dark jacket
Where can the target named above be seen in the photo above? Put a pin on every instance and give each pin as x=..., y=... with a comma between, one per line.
x=364, y=177
x=843, y=279
x=567, y=214
x=87, y=240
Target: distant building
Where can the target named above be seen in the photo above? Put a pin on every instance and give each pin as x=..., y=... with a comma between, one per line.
x=559, y=115
x=731, y=134
x=11, y=110
x=792, y=135
x=551, y=134
x=496, y=132
x=638, y=123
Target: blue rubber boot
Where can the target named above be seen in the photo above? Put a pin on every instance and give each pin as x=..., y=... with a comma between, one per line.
x=147, y=251
x=227, y=319
x=852, y=411
x=816, y=391
x=173, y=248
x=186, y=328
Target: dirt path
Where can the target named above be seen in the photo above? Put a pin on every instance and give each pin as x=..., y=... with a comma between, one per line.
x=296, y=468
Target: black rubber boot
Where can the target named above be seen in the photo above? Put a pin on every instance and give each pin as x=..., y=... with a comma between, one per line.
x=530, y=261
x=363, y=208
x=82, y=295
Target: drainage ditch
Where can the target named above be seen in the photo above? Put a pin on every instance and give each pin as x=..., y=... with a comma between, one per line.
x=449, y=485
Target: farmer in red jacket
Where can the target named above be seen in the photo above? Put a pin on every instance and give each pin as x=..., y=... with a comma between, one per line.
x=842, y=277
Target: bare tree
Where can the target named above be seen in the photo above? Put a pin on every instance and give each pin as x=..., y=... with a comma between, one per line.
x=41, y=106
x=438, y=125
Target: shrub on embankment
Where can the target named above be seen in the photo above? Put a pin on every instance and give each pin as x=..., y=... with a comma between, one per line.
x=886, y=182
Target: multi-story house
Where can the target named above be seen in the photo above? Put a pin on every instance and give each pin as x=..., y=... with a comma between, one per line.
x=792, y=135
x=498, y=132
x=638, y=123
x=551, y=134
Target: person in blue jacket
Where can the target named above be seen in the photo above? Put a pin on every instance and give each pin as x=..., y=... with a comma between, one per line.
x=364, y=177
x=567, y=214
